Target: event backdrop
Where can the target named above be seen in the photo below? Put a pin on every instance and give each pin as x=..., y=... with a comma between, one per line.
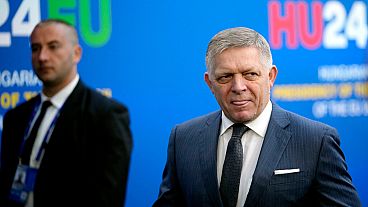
x=150, y=56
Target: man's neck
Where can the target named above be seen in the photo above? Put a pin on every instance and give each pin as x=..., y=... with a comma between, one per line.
x=51, y=89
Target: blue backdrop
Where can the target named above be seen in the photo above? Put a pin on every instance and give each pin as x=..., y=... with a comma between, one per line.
x=150, y=56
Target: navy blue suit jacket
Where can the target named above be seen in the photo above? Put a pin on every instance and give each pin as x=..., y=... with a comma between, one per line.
x=87, y=159
x=291, y=141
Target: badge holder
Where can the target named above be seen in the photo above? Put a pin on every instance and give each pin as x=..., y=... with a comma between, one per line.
x=23, y=183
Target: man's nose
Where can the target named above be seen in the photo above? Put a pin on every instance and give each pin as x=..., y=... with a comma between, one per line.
x=43, y=54
x=238, y=83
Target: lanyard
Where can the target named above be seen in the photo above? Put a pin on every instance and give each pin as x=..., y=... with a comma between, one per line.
x=47, y=136
x=48, y=132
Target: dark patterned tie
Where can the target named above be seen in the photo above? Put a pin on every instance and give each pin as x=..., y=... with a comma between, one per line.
x=231, y=171
x=26, y=154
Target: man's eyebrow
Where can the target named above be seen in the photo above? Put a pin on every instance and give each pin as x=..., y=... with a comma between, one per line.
x=48, y=43
x=53, y=42
x=35, y=44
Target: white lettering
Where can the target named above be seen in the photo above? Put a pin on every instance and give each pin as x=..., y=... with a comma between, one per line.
x=18, y=78
x=343, y=72
x=342, y=108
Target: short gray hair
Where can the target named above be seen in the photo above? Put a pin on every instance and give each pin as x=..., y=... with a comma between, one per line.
x=237, y=37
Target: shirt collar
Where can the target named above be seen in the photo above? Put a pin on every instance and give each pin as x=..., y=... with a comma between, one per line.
x=60, y=97
x=258, y=125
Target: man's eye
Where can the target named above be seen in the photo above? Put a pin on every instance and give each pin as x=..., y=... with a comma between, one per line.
x=53, y=46
x=224, y=78
x=34, y=48
x=250, y=76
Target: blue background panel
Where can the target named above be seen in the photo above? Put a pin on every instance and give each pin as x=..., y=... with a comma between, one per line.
x=153, y=61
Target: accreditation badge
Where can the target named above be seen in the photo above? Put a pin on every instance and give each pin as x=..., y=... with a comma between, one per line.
x=23, y=183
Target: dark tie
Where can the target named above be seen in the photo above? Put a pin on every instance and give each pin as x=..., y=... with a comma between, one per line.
x=26, y=154
x=231, y=171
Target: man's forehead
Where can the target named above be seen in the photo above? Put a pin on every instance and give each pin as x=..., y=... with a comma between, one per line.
x=48, y=33
x=51, y=28
x=46, y=39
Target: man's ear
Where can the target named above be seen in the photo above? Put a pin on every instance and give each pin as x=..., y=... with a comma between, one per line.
x=208, y=81
x=77, y=53
x=272, y=75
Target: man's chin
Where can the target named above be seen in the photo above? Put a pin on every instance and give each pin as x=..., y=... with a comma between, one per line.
x=48, y=82
x=242, y=117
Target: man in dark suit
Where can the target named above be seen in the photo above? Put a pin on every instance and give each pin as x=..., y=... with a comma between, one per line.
x=82, y=147
x=252, y=152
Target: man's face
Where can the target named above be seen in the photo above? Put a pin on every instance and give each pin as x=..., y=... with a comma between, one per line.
x=54, y=56
x=241, y=83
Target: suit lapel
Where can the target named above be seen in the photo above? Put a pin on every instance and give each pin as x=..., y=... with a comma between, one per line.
x=274, y=144
x=208, y=150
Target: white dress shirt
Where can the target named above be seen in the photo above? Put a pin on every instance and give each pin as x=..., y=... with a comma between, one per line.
x=252, y=142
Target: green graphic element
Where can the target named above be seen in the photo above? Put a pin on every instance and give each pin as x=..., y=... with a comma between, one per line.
x=91, y=37
x=67, y=10
x=55, y=6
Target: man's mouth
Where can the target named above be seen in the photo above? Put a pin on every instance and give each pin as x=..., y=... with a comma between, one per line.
x=240, y=103
x=45, y=68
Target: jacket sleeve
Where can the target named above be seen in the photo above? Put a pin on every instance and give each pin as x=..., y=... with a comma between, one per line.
x=114, y=158
x=333, y=182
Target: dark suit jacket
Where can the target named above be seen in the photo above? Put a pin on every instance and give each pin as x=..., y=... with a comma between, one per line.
x=87, y=158
x=291, y=141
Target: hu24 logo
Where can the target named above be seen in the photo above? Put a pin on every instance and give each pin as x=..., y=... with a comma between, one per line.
x=316, y=24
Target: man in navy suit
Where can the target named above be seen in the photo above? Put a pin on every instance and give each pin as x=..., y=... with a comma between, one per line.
x=81, y=150
x=252, y=152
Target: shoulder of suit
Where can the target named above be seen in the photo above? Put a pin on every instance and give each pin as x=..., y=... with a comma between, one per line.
x=297, y=120
x=101, y=101
x=200, y=120
x=24, y=106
